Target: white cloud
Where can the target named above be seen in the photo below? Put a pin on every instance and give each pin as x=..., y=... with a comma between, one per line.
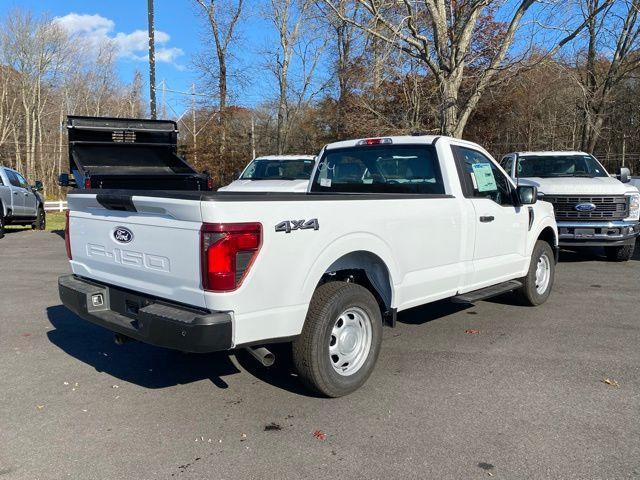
x=97, y=31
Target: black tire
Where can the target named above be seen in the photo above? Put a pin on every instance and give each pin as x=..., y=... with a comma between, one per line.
x=622, y=253
x=1, y=221
x=41, y=220
x=311, y=349
x=529, y=294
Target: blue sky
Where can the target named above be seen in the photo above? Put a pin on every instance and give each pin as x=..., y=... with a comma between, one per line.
x=179, y=38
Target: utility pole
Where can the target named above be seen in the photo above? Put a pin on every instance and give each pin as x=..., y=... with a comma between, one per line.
x=624, y=147
x=152, y=60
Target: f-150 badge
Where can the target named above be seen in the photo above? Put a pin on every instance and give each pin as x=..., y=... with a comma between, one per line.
x=289, y=226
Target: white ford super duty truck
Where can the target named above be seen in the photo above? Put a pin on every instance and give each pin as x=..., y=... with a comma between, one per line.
x=386, y=224
x=592, y=208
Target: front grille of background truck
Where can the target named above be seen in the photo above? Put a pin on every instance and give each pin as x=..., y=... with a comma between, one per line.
x=613, y=207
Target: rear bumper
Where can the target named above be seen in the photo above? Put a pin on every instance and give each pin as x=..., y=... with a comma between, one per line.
x=597, y=234
x=146, y=318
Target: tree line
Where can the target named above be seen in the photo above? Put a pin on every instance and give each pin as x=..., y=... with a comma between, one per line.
x=513, y=76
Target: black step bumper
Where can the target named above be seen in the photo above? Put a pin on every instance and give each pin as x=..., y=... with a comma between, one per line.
x=146, y=318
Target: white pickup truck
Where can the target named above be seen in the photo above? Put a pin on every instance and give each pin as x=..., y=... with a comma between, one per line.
x=203, y=271
x=592, y=208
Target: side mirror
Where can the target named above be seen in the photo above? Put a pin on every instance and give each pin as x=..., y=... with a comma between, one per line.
x=65, y=180
x=527, y=194
x=38, y=187
x=624, y=175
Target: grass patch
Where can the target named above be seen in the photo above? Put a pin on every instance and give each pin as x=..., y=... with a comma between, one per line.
x=55, y=221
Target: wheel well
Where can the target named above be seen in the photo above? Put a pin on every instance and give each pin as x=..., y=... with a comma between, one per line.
x=549, y=236
x=369, y=271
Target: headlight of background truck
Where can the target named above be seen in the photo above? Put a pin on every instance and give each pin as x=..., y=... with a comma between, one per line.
x=634, y=206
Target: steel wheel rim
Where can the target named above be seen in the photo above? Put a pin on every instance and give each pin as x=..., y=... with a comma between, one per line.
x=543, y=274
x=350, y=341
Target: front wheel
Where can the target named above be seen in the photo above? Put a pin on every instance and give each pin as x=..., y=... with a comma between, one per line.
x=340, y=341
x=1, y=223
x=539, y=280
x=41, y=220
x=620, y=254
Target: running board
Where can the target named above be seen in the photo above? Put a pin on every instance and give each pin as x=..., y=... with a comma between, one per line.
x=487, y=292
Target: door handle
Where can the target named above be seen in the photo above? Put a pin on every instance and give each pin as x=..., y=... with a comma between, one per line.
x=487, y=218
x=15, y=193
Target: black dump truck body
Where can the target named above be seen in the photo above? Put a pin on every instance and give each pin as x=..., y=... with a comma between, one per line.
x=126, y=153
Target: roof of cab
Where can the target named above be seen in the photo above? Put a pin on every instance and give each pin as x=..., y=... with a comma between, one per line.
x=286, y=157
x=549, y=153
x=400, y=140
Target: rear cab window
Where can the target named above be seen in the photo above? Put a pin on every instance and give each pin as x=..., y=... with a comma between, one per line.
x=386, y=168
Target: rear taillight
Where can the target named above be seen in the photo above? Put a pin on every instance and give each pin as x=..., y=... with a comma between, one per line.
x=209, y=183
x=228, y=251
x=87, y=183
x=67, y=239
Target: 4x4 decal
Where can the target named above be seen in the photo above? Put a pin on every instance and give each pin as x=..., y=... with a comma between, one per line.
x=288, y=226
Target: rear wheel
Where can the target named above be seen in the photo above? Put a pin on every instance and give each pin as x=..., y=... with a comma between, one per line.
x=620, y=254
x=1, y=221
x=41, y=220
x=539, y=280
x=340, y=341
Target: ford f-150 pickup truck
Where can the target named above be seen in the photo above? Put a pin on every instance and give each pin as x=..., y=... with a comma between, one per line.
x=386, y=224
x=20, y=203
x=592, y=208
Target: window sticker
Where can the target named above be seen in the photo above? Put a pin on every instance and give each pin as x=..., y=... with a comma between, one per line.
x=325, y=182
x=485, y=180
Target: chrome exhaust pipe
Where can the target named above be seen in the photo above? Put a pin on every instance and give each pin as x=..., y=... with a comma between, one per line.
x=261, y=354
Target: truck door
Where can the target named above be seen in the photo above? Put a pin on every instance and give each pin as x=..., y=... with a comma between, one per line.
x=30, y=200
x=17, y=193
x=501, y=226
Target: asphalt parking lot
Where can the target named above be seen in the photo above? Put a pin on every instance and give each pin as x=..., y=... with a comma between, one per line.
x=525, y=397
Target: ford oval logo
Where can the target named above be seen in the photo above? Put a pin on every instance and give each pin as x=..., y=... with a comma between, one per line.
x=585, y=207
x=122, y=235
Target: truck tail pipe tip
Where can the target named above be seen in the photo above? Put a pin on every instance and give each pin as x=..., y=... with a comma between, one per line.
x=261, y=354
x=120, y=339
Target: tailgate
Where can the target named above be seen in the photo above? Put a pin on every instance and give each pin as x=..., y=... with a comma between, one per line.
x=153, y=248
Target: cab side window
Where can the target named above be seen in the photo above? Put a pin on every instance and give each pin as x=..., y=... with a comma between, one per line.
x=480, y=177
x=13, y=178
x=507, y=164
x=22, y=181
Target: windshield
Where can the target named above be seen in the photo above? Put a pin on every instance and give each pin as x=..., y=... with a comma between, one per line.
x=297, y=169
x=560, y=166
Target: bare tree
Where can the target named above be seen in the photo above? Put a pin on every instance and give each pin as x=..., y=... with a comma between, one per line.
x=299, y=43
x=222, y=17
x=613, y=52
x=36, y=49
x=444, y=36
